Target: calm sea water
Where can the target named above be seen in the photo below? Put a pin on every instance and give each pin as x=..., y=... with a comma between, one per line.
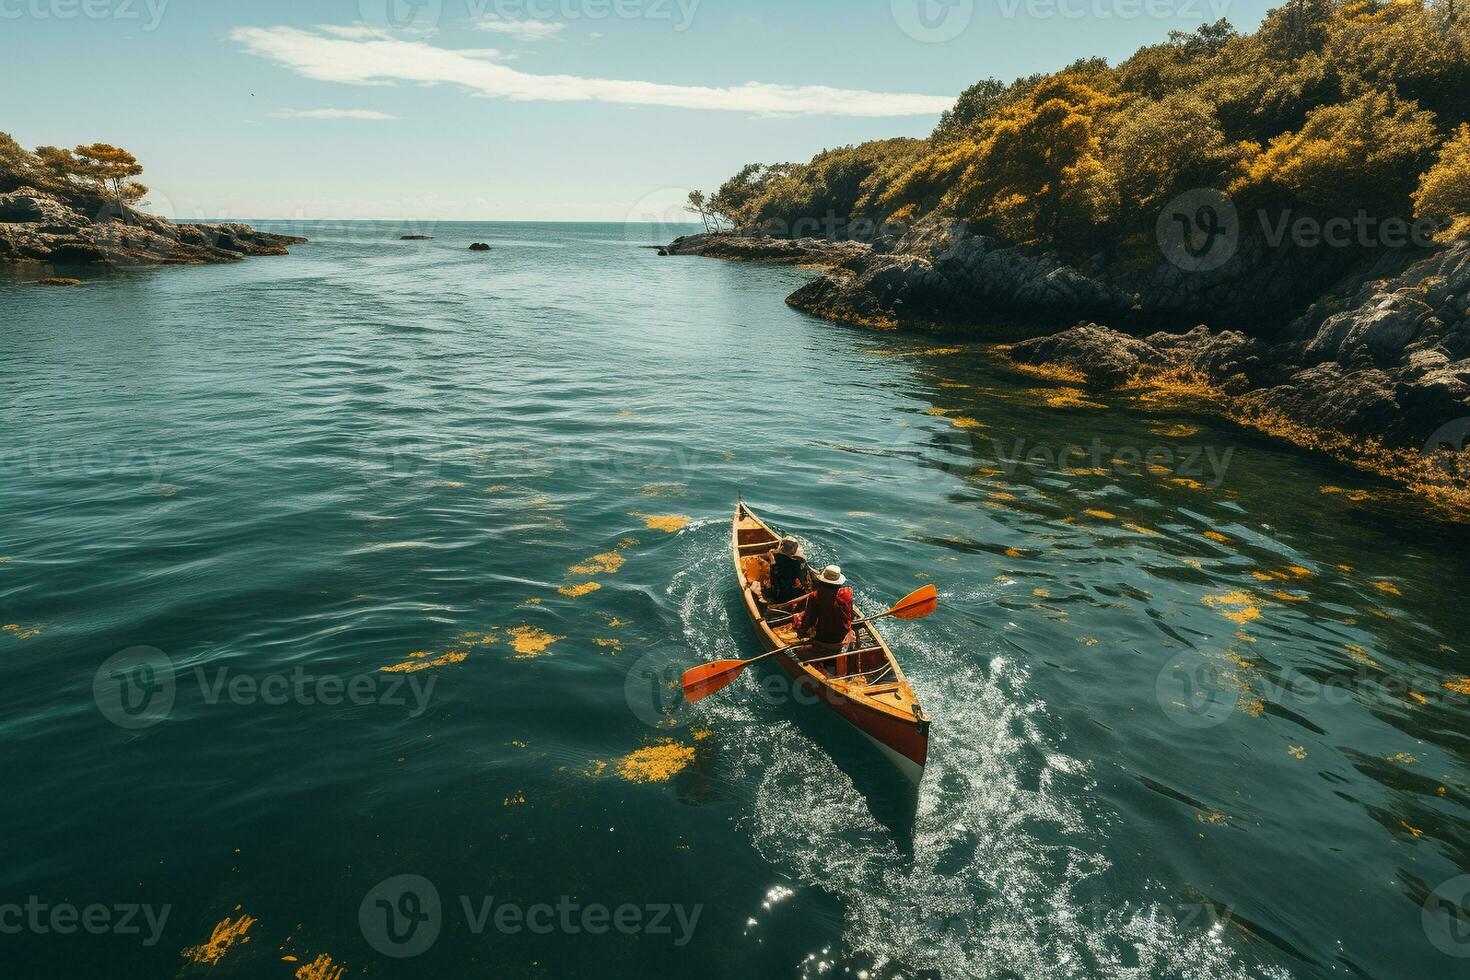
x=1193, y=716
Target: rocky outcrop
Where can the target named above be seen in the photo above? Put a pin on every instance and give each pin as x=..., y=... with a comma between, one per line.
x=1381, y=349
x=479, y=247
x=1387, y=358
x=815, y=251
x=41, y=228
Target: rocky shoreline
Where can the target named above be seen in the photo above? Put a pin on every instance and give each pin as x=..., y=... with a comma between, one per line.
x=41, y=229
x=1374, y=368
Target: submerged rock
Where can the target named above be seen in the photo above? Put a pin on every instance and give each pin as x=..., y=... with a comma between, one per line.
x=415, y=238
x=479, y=247
x=58, y=281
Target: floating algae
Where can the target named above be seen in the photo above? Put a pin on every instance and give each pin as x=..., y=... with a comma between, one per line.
x=321, y=968
x=1237, y=606
x=656, y=763
x=530, y=642
x=579, y=590
x=668, y=523
x=21, y=633
x=420, y=660
x=225, y=936
x=606, y=563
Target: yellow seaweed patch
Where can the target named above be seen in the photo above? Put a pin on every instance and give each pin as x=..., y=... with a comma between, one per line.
x=1217, y=537
x=20, y=633
x=965, y=422
x=1403, y=759
x=518, y=798
x=1356, y=496
x=1461, y=686
x=1186, y=482
x=668, y=523
x=700, y=734
x=449, y=485
x=421, y=661
x=579, y=590
x=1289, y=596
x=1140, y=529
x=937, y=411
x=1067, y=398
x=224, y=937
x=1041, y=593
x=1015, y=553
x=596, y=769
x=497, y=488
x=471, y=638
x=1297, y=751
x=1388, y=588
x=656, y=763
x=606, y=563
x=1180, y=430
x=1052, y=372
x=1101, y=515
x=320, y=968
x=606, y=644
x=1237, y=606
x=531, y=641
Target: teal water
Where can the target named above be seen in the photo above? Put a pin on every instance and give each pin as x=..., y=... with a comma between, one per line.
x=1191, y=718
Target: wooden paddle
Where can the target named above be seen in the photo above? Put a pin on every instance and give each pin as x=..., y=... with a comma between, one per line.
x=702, y=681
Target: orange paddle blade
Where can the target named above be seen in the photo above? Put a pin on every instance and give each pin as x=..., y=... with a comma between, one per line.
x=704, y=680
x=917, y=605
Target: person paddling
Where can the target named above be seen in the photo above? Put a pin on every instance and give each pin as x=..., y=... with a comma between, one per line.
x=825, y=617
x=790, y=574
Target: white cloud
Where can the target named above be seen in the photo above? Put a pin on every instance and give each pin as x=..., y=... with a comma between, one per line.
x=331, y=114
x=522, y=30
x=380, y=60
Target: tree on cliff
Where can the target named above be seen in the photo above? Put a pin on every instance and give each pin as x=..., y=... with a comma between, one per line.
x=112, y=169
x=1444, y=191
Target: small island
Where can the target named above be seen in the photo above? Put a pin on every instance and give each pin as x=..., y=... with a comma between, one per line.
x=77, y=207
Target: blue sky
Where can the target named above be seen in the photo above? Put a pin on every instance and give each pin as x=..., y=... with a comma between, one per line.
x=516, y=109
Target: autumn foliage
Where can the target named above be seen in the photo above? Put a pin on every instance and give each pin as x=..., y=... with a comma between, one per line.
x=1331, y=107
x=96, y=174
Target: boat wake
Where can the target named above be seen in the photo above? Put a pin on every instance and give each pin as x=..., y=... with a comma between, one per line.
x=1005, y=868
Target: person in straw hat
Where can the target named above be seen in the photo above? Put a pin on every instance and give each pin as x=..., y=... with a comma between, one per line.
x=825, y=616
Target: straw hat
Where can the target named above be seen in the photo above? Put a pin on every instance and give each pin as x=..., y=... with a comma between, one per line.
x=789, y=545
x=832, y=575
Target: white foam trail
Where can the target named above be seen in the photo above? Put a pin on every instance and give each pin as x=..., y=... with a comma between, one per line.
x=1002, y=843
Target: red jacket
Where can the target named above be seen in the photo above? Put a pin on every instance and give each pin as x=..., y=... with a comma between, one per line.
x=828, y=612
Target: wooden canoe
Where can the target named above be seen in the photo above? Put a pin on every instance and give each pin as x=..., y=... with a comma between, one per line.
x=868, y=689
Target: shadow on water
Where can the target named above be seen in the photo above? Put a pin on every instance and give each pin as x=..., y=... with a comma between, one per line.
x=892, y=799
